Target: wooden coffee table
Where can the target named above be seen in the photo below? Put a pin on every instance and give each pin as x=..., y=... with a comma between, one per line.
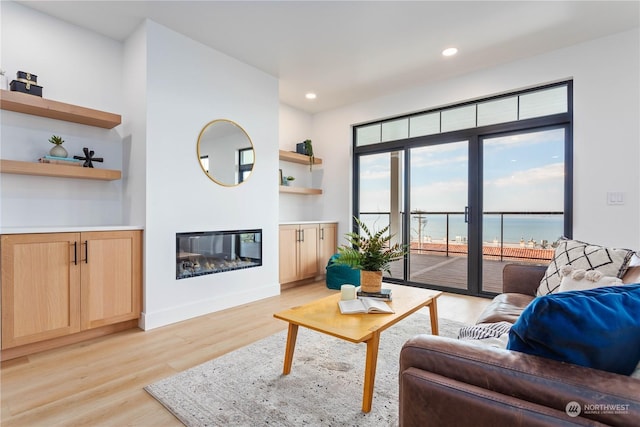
x=324, y=316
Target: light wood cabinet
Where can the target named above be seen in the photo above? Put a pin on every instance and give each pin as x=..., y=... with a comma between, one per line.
x=298, y=252
x=328, y=243
x=55, y=285
x=303, y=250
x=40, y=287
x=111, y=277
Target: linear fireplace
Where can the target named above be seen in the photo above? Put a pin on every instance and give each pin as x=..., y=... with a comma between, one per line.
x=209, y=252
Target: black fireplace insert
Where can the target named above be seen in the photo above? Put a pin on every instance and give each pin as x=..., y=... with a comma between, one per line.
x=209, y=252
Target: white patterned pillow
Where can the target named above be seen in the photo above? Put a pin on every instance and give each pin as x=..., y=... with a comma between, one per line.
x=609, y=261
x=577, y=279
x=491, y=334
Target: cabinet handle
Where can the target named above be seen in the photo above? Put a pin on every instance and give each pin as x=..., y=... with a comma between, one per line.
x=302, y=234
x=322, y=234
x=86, y=252
x=75, y=253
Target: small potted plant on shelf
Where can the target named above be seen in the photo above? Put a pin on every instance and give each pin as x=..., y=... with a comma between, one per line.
x=371, y=253
x=287, y=179
x=308, y=148
x=58, y=150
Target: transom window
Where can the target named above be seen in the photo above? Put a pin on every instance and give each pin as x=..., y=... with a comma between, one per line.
x=495, y=110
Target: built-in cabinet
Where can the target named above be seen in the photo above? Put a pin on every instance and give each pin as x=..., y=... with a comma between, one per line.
x=59, y=288
x=304, y=249
x=328, y=243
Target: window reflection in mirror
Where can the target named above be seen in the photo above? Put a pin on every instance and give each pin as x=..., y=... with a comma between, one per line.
x=225, y=152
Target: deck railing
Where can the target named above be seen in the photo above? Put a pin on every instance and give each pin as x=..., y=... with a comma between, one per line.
x=451, y=245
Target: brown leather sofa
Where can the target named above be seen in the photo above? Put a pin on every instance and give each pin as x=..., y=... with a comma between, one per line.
x=448, y=382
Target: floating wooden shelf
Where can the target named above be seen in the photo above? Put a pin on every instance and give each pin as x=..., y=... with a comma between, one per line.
x=36, y=106
x=63, y=171
x=300, y=190
x=289, y=156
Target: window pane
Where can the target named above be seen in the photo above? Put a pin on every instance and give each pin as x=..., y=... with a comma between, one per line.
x=543, y=103
x=246, y=157
x=459, y=118
x=426, y=124
x=381, y=196
x=439, y=194
x=397, y=129
x=367, y=135
x=205, y=162
x=498, y=111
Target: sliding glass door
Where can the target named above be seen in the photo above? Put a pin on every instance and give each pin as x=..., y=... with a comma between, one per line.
x=381, y=183
x=523, y=188
x=438, y=234
x=470, y=187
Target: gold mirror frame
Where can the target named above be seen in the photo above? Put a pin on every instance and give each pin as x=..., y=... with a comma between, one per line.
x=220, y=148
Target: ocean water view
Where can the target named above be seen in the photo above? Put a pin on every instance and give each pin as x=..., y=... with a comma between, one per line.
x=515, y=228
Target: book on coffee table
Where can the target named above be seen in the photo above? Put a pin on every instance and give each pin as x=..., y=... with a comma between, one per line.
x=364, y=305
x=384, y=294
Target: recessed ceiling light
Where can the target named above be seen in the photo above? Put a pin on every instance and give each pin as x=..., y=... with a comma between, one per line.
x=310, y=95
x=450, y=51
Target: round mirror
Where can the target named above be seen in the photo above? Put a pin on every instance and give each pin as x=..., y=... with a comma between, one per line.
x=225, y=152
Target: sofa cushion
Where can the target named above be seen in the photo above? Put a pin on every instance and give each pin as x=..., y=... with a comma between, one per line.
x=505, y=307
x=609, y=261
x=597, y=328
x=575, y=279
x=633, y=272
x=493, y=334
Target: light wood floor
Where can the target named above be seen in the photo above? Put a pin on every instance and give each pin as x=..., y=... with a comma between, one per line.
x=100, y=382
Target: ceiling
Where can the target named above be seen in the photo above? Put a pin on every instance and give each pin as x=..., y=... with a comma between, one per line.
x=350, y=51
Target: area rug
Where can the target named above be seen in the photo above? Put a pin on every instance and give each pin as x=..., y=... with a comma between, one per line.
x=246, y=387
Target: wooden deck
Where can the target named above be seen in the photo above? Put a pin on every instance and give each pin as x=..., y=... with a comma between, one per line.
x=451, y=271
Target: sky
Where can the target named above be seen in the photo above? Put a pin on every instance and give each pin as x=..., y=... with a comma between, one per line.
x=523, y=172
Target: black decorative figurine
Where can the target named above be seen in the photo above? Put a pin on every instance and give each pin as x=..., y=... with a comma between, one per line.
x=88, y=158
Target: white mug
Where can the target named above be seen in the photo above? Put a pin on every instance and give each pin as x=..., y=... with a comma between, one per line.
x=348, y=292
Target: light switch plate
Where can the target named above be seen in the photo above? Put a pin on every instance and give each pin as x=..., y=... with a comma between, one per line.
x=615, y=198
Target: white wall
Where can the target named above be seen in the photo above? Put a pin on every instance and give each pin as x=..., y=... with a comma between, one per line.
x=134, y=127
x=78, y=67
x=295, y=126
x=166, y=87
x=188, y=85
x=606, y=129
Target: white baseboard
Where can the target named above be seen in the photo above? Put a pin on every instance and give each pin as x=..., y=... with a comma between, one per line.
x=152, y=320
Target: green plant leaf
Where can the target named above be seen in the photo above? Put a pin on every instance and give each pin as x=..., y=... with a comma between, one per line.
x=370, y=251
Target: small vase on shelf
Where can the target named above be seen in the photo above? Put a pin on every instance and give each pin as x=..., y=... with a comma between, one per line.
x=58, y=150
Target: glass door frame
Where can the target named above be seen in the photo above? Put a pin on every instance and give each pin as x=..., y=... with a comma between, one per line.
x=474, y=136
x=476, y=194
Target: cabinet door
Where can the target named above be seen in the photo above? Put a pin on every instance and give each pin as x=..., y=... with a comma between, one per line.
x=308, y=244
x=40, y=287
x=328, y=243
x=111, y=277
x=288, y=253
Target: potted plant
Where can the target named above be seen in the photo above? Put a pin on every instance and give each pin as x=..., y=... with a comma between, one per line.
x=308, y=148
x=286, y=179
x=58, y=150
x=371, y=253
